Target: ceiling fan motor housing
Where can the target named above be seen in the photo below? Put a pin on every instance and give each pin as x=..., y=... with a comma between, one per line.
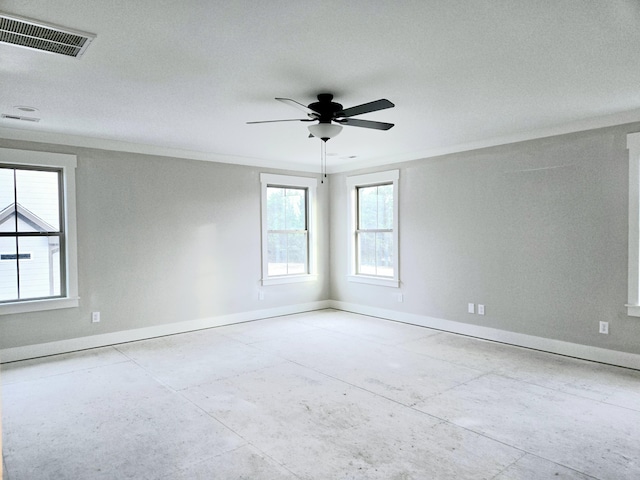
x=327, y=109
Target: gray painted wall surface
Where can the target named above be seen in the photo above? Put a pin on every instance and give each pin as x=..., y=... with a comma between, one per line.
x=536, y=231
x=163, y=240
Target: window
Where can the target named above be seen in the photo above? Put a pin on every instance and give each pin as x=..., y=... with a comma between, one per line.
x=37, y=231
x=373, y=228
x=288, y=244
x=633, y=305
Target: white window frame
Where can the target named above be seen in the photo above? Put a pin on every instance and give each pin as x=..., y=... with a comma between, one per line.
x=68, y=165
x=633, y=302
x=370, y=179
x=288, y=181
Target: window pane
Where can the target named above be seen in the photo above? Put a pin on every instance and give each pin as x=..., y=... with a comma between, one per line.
x=385, y=206
x=275, y=208
x=295, y=209
x=7, y=202
x=40, y=271
x=297, y=251
x=375, y=253
x=8, y=270
x=366, y=253
x=277, y=254
x=384, y=254
x=38, y=195
x=367, y=208
x=287, y=254
x=375, y=207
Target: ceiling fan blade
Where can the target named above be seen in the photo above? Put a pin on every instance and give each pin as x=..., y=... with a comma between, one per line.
x=287, y=120
x=366, y=108
x=298, y=105
x=356, y=122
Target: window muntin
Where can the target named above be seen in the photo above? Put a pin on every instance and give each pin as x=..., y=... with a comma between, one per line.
x=372, y=210
x=374, y=232
x=38, y=270
x=288, y=229
x=15, y=256
x=287, y=233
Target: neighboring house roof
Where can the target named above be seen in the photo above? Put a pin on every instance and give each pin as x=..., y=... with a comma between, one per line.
x=27, y=216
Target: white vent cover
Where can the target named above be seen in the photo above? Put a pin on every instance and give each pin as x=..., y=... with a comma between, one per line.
x=24, y=32
x=19, y=118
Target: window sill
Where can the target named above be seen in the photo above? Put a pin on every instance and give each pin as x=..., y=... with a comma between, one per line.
x=38, y=305
x=289, y=279
x=633, y=310
x=384, y=282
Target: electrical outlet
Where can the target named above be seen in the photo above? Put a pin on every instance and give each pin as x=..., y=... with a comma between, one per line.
x=480, y=309
x=604, y=328
x=471, y=308
x=260, y=295
x=400, y=298
x=95, y=317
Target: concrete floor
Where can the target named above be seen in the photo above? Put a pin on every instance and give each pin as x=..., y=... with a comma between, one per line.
x=323, y=395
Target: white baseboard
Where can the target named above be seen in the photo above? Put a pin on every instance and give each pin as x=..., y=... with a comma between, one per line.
x=83, y=343
x=585, y=352
x=596, y=354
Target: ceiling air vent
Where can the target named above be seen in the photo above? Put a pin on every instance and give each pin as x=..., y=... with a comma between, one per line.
x=24, y=32
x=20, y=117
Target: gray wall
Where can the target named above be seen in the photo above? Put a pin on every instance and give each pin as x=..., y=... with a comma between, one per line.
x=535, y=231
x=163, y=240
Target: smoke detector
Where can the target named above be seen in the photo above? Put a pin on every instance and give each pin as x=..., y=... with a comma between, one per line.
x=28, y=33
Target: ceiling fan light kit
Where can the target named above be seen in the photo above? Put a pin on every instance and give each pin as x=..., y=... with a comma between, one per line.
x=325, y=131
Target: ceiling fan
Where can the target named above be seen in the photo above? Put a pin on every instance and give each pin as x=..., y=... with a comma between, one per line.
x=326, y=112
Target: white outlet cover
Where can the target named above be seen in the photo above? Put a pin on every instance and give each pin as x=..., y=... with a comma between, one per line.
x=471, y=308
x=480, y=309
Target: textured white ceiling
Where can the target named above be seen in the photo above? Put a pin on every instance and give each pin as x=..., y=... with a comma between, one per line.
x=182, y=78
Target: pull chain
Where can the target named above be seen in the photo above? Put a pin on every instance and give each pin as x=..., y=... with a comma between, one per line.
x=323, y=160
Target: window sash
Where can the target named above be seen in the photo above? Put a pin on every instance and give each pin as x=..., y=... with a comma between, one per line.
x=376, y=269
x=286, y=232
x=22, y=278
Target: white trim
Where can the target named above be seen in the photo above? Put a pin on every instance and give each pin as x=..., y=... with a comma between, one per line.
x=362, y=181
x=311, y=185
x=289, y=279
x=38, y=305
x=584, y=352
x=57, y=138
x=15, y=354
x=381, y=281
x=633, y=302
x=592, y=123
x=68, y=163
